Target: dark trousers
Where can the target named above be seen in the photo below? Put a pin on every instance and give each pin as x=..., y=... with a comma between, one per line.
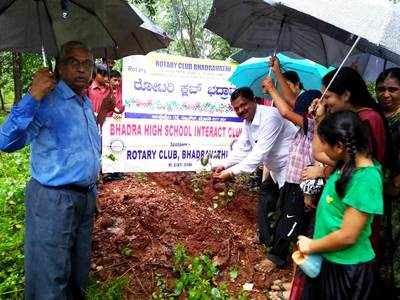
x=291, y=223
x=58, y=236
x=266, y=210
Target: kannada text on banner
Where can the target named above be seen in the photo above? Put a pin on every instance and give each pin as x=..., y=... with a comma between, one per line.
x=177, y=111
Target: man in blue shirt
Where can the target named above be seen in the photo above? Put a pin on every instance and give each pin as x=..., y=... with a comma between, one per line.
x=58, y=121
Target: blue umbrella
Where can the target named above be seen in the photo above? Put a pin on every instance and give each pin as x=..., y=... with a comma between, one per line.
x=251, y=72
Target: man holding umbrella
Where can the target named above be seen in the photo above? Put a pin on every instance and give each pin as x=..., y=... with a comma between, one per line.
x=58, y=121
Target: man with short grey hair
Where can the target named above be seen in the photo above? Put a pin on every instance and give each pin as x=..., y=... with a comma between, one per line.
x=57, y=120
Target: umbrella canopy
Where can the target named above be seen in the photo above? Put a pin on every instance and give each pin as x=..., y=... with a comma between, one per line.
x=88, y=21
x=368, y=65
x=376, y=22
x=320, y=30
x=243, y=55
x=251, y=72
x=256, y=25
x=136, y=41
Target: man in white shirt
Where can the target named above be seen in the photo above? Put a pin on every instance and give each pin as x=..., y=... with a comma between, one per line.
x=266, y=139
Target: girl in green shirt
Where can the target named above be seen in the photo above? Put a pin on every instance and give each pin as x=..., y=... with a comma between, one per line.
x=351, y=197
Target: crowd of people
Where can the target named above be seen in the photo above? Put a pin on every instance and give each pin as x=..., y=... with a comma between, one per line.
x=334, y=180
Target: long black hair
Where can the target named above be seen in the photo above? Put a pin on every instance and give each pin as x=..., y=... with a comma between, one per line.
x=388, y=73
x=346, y=128
x=294, y=78
x=350, y=80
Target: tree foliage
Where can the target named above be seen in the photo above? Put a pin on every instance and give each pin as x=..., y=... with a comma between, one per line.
x=14, y=172
x=150, y=5
x=28, y=65
x=183, y=20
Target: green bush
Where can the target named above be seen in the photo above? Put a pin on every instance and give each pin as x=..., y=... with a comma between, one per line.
x=14, y=172
x=110, y=290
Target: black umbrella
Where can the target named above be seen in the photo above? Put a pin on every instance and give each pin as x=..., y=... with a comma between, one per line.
x=40, y=26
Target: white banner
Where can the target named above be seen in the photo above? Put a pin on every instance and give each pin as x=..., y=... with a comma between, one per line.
x=177, y=110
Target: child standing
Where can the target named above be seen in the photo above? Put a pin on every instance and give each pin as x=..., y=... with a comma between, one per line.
x=116, y=87
x=293, y=218
x=351, y=197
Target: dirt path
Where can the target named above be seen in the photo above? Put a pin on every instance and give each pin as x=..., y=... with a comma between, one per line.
x=143, y=217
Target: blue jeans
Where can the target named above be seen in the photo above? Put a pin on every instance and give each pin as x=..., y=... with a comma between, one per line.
x=58, y=237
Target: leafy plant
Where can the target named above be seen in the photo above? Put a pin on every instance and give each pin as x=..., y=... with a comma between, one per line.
x=229, y=190
x=111, y=157
x=233, y=273
x=181, y=258
x=198, y=181
x=126, y=250
x=14, y=172
x=162, y=291
x=224, y=197
x=197, y=277
x=247, y=182
x=205, y=160
x=111, y=290
x=141, y=177
x=243, y=295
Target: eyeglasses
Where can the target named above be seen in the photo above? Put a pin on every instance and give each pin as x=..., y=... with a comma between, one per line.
x=390, y=89
x=76, y=64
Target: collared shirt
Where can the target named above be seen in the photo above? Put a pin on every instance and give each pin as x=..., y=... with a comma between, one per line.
x=267, y=140
x=96, y=95
x=62, y=131
x=300, y=153
x=118, y=100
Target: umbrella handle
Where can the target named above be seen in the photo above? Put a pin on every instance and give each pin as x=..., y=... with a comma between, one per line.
x=277, y=41
x=44, y=58
x=270, y=67
x=64, y=9
x=341, y=66
x=41, y=35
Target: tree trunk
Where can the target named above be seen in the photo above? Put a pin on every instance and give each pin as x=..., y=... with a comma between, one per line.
x=3, y=108
x=17, y=75
x=191, y=30
x=179, y=25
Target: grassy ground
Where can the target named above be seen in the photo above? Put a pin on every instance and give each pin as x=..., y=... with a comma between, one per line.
x=14, y=172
